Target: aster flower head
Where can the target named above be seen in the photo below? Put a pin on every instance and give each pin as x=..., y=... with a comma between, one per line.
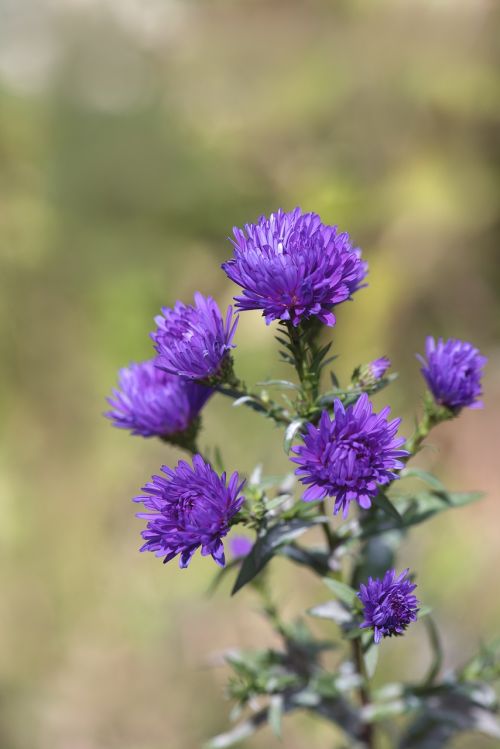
x=293, y=267
x=190, y=508
x=194, y=340
x=453, y=372
x=153, y=403
x=389, y=604
x=350, y=456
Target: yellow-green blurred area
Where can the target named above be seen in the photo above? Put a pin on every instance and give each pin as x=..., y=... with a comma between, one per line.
x=134, y=134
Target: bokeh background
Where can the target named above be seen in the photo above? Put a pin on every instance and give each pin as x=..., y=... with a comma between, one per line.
x=133, y=135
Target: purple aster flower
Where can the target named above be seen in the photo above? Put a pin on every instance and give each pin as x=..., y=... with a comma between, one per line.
x=192, y=507
x=240, y=546
x=350, y=456
x=389, y=604
x=453, y=372
x=292, y=267
x=152, y=403
x=194, y=340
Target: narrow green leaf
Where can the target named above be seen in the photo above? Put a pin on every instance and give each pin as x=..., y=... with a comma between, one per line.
x=268, y=544
x=275, y=714
x=315, y=559
x=424, y=611
x=371, y=660
x=332, y=610
x=385, y=504
x=239, y=733
x=344, y=592
x=286, y=384
x=418, y=473
x=291, y=431
x=414, y=509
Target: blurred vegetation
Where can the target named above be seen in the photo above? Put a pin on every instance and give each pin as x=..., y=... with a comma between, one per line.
x=133, y=135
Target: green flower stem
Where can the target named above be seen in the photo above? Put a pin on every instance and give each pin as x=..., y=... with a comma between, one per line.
x=303, y=348
x=261, y=585
x=327, y=530
x=237, y=389
x=437, y=651
x=368, y=733
x=433, y=414
x=186, y=440
x=228, y=384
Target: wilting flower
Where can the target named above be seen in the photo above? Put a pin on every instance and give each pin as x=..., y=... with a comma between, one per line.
x=389, y=604
x=453, y=372
x=150, y=402
x=192, y=507
x=350, y=456
x=194, y=340
x=292, y=267
x=240, y=546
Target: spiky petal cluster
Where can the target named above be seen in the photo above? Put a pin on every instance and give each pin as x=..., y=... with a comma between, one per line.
x=350, y=456
x=453, y=372
x=194, y=340
x=389, y=604
x=153, y=403
x=292, y=267
x=190, y=508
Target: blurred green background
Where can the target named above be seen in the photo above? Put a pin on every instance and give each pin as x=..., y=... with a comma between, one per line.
x=133, y=135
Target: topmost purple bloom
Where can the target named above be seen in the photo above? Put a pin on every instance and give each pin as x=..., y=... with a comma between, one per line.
x=453, y=372
x=292, y=266
x=193, y=340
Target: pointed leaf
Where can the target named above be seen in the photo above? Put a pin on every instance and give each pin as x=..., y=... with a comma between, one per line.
x=285, y=384
x=385, y=504
x=371, y=660
x=267, y=545
x=275, y=713
x=344, y=592
x=418, y=473
x=291, y=431
x=414, y=509
x=332, y=610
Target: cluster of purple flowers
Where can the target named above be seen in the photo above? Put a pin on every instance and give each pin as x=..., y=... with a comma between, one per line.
x=292, y=267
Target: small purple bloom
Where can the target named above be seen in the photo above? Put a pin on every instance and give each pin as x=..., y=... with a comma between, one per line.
x=152, y=403
x=240, y=546
x=453, y=372
x=192, y=507
x=194, y=340
x=370, y=374
x=350, y=456
x=389, y=604
x=292, y=267
x=379, y=367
